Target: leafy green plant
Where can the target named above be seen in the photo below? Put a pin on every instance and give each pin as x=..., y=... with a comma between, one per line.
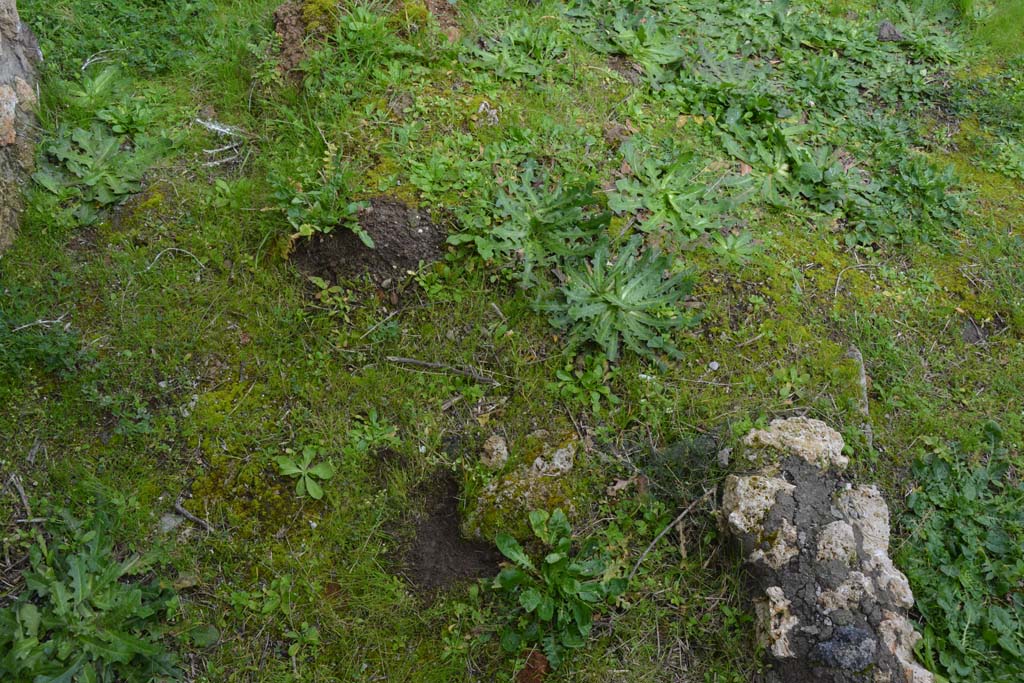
x=318, y=201
x=585, y=382
x=734, y=246
x=86, y=615
x=521, y=51
x=964, y=556
x=1009, y=158
x=334, y=299
x=667, y=193
x=538, y=223
x=372, y=431
x=628, y=300
x=90, y=169
x=554, y=596
x=305, y=472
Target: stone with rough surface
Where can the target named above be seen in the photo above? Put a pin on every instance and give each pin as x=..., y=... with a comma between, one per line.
x=812, y=440
x=830, y=604
x=19, y=55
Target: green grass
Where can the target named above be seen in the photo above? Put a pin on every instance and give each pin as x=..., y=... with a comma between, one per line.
x=189, y=353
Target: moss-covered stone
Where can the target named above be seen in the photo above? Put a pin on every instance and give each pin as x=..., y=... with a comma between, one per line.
x=541, y=475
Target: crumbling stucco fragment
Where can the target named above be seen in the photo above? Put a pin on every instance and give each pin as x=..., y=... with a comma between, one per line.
x=830, y=604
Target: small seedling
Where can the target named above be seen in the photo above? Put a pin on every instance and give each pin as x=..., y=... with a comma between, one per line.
x=305, y=471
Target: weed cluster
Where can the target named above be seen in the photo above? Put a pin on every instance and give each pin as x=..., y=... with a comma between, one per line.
x=965, y=560
x=86, y=615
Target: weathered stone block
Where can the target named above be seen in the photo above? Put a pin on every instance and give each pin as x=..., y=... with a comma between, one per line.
x=830, y=604
x=19, y=55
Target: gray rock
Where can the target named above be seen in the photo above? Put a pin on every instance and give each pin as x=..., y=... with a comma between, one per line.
x=830, y=605
x=888, y=33
x=19, y=55
x=851, y=648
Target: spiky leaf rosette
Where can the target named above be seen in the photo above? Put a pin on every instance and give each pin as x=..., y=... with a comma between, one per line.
x=626, y=300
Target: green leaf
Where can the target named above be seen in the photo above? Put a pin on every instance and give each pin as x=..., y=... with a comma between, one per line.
x=316, y=492
x=510, y=641
x=538, y=522
x=530, y=599
x=288, y=466
x=323, y=471
x=511, y=549
x=546, y=608
x=204, y=636
x=510, y=577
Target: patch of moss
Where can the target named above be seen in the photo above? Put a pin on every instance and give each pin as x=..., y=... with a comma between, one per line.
x=535, y=478
x=245, y=495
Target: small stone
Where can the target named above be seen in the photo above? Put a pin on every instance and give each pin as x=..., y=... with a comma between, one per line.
x=495, y=452
x=169, y=522
x=850, y=649
x=888, y=33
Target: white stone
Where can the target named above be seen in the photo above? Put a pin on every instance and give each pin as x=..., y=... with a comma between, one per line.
x=847, y=595
x=812, y=440
x=782, y=549
x=747, y=500
x=865, y=508
x=775, y=622
x=495, y=452
x=900, y=637
x=836, y=542
x=888, y=578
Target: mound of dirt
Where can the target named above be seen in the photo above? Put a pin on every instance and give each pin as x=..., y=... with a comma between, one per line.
x=402, y=237
x=291, y=29
x=438, y=556
x=445, y=14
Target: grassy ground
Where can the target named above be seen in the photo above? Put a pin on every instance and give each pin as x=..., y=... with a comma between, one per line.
x=188, y=352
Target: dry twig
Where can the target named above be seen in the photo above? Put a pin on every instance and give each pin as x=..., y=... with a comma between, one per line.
x=466, y=371
x=671, y=525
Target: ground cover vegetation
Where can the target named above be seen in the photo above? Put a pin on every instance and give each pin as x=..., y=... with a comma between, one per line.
x=655, y=224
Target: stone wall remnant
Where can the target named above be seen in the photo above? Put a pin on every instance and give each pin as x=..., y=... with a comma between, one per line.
x=19, y=56
x=830, y=605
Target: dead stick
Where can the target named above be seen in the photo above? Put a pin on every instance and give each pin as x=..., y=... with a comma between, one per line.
x=672, y=525
x=16, y=480
x=192, y=518
x=464, y=372
x=862, y=380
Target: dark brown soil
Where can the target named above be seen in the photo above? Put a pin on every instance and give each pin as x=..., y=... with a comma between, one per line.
x=536, y=670
x=438, y=556
x=444, y=12
x=403, y=237
x=629, y=70
x=291, y=29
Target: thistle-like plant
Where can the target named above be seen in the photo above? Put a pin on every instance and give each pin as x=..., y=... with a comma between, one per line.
x=626, y=300
x=541, y=221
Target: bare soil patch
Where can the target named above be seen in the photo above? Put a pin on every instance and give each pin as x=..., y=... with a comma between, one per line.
x=445, y=13
x=403, y=238
x=438, y=556
x=291, y=29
